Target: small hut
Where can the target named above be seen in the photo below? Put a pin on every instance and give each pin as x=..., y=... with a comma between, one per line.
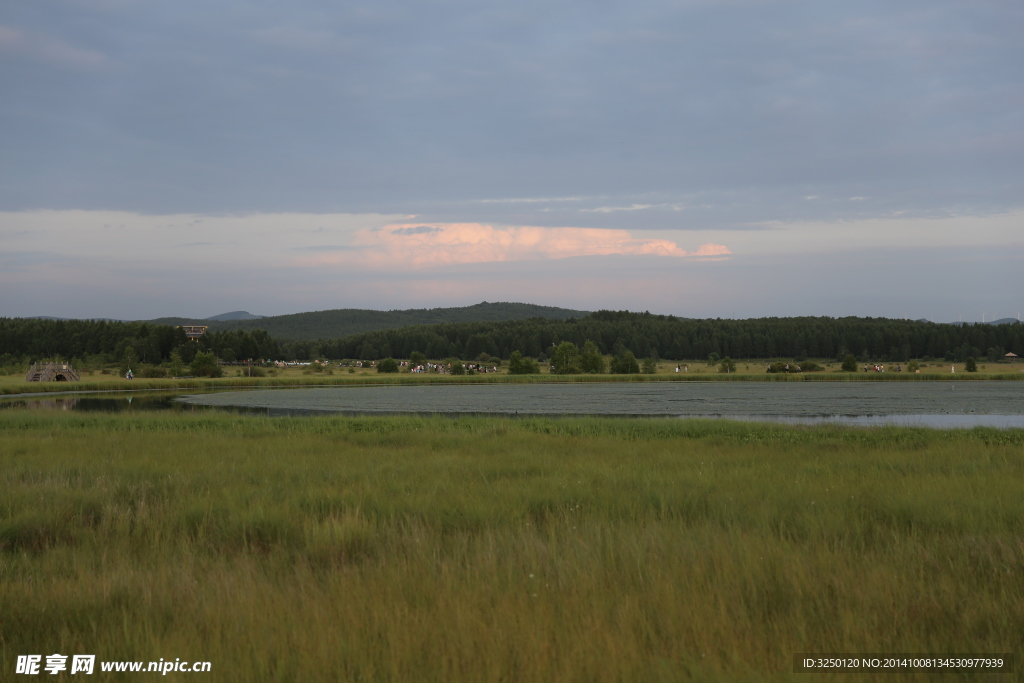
x=51, y=372
x=1011, y=356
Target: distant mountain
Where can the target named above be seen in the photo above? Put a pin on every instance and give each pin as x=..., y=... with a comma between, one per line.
x=50, y=317
x=223, y=317
x=1001, y=321
x=345, y=321
x=235, y=315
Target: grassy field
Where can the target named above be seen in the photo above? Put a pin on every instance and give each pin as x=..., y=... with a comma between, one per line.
x=754, y=372
x=407, y=549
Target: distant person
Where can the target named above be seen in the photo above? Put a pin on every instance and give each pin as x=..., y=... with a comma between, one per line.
x=677, y=368
x=128, y=375
x=952, y=368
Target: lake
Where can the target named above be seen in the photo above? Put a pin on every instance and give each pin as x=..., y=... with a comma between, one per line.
x=943, y=404
x=930, y=404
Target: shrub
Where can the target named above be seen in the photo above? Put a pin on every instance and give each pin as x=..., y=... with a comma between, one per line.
x=518, y=365
x=727, y=365
x=850, y=363
x=971, y=365
x=780, y=366
x=152, y=371
x=205, y=365
x=388, y=365
x=625, y=364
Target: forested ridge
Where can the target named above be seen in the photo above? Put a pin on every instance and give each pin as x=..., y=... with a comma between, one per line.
x=24, y=340
x=346, y=321
x=672, y=338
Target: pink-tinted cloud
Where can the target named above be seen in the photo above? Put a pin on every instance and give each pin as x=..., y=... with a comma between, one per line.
x=440, y=244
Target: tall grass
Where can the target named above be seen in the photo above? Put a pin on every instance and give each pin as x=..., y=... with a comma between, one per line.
x=501, y=550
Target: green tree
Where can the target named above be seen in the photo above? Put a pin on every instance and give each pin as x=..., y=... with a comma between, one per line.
x=591, y=360
x=913, y=366
x=456, y=367
x=650, y=366
x=175, y=367
x=227, y=355
x=850, y=363
x=518, y=365
x=205, y=365
x=417, y=358
x=566, y=359
x=970, y=365
x=625, y=364
x=727, y=365
x=389, y=365
x=129, y=360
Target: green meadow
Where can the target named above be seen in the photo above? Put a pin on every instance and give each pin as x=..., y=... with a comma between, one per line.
x=486, y=549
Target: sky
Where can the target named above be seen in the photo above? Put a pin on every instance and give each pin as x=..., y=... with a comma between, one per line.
x=727, y=158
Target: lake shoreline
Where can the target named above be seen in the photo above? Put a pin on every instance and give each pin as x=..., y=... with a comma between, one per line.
x=408, y=379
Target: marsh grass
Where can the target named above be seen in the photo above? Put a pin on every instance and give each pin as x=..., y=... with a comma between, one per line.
x=484, y=549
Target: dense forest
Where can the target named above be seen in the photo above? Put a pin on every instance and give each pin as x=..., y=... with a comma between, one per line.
x=95, y=342
x=347, y=321
x=672, y=338
x=100, y=342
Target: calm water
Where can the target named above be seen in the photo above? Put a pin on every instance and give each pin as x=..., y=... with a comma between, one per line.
x=961, y=404
x=932, y=404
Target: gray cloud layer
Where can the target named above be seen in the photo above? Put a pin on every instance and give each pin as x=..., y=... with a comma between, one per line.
x=194, y=157
x=692, y=114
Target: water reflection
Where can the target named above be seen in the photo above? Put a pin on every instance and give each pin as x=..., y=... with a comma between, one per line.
x=938, y=406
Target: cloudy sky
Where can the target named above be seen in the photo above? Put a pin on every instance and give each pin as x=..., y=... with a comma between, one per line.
x=724, y=158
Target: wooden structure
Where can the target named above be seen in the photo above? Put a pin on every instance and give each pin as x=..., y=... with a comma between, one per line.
x=1011, y=356
x=51, y=372
x=193, y=332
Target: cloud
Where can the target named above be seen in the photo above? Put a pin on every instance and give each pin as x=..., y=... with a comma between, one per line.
x=125, y=265
x=442, y=244
x=611, y=209
x=50, y=50
x=418, y=230
x=530, y=200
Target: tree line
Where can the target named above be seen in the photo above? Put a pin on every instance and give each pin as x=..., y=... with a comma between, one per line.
x=644, y=335
x=101, y=342
x=671, y=338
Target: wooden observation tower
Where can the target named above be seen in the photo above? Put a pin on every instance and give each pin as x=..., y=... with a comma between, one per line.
x=193, y=332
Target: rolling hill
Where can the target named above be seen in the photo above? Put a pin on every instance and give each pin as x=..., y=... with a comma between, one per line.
x=347, y=321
